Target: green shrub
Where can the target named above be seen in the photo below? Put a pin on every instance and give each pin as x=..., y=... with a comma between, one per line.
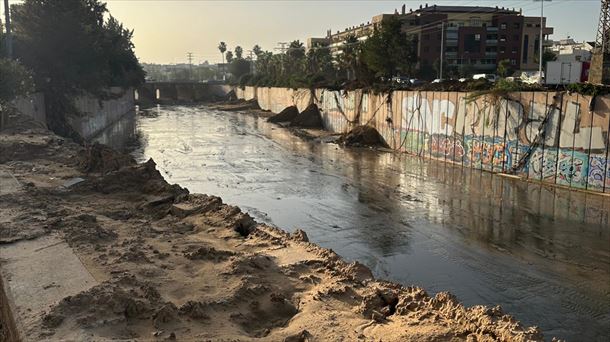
x=15, y=80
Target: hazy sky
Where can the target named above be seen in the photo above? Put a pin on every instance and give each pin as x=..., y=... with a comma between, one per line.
x=165, y=30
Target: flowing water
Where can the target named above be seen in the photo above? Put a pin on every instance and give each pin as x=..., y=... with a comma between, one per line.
x=540, y=252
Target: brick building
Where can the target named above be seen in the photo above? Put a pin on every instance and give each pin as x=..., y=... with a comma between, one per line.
x=475, y=37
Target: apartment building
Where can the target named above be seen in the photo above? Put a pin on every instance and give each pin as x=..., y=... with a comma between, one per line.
x=473, y=36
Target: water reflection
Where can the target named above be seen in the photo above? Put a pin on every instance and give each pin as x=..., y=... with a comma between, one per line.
x=543, y=253
x=119, y=135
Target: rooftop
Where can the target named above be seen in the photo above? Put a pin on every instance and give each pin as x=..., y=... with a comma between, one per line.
x=470, y=9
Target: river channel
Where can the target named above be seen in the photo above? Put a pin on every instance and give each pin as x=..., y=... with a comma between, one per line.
x=541, y=252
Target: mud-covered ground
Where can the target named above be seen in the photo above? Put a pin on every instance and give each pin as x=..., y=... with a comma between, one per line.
x=174, y=265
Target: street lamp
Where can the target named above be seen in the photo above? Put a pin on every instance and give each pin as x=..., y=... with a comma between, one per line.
x=541, y=35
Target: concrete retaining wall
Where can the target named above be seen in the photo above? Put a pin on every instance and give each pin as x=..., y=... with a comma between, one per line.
x=97, y=114
x=32, y=105
x=544, y=136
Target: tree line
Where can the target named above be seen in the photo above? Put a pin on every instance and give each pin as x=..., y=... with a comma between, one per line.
x=64, y=48
x=387, y=52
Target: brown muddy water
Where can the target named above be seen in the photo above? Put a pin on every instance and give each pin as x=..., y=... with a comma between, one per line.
x=540, y=252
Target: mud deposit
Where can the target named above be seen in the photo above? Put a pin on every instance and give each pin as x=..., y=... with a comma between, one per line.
x=162, y=263
x=541, y=253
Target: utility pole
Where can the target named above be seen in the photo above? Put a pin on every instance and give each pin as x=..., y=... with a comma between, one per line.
x=282, y=49
x=9, y=35
x=541, y=39
x=600, y=63
x=442, y=50
x=189, y=55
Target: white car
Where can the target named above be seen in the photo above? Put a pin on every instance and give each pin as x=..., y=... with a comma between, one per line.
x=489, y=77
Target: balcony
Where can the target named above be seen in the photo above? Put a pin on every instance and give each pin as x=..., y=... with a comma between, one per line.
x=491, y=42
x=492, y=29
x=491, y=54
x=451, y=43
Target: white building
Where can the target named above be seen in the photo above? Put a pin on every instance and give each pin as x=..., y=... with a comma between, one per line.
x=568, y=50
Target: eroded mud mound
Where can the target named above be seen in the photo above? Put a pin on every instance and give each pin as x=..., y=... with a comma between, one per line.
x=363, y=136
x=286, y=115
x=309, y=118
x=103, y=159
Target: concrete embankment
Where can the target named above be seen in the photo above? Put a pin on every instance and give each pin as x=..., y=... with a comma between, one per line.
x=93, y=114
x=553, y=137
x=96, y=247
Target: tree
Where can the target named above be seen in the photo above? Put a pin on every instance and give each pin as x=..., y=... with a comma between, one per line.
x=504, y=68
x=295, y=57
x=16, y=80
x=349, y=56
x=229, y=56
x=72, y=49
x=239, y=67
x=239, y=52
x=257, y=50
x=388, y=50
x=222, y=47
x=547, y=56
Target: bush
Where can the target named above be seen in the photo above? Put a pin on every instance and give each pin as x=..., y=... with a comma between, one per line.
x=15, y=80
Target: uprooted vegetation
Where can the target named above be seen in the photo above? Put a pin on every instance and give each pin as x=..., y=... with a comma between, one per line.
x=363, y=136
x=174, y=265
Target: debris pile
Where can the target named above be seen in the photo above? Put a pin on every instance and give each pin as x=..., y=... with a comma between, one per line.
x=309, y=118
x=288, y=114
x=363, y=136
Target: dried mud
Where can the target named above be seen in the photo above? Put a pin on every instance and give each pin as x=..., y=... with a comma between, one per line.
x=175, y=265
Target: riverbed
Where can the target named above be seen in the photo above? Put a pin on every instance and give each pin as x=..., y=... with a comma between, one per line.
x=541, y=252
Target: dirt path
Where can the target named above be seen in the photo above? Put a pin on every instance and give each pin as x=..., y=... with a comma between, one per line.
x=172, y=265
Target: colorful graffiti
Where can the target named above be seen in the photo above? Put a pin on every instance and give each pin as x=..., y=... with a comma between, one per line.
x=543, y=136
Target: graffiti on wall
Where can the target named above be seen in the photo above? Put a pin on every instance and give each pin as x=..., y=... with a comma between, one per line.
x=559, y=141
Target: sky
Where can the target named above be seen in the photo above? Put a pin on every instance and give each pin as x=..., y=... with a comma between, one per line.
x=165, y=30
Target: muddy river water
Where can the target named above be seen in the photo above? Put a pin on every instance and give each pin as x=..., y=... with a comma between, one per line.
x=540, y=252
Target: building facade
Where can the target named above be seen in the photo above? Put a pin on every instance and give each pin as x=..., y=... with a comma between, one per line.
x=472, y=37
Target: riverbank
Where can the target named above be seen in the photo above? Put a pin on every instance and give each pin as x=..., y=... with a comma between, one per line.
x=152, y=261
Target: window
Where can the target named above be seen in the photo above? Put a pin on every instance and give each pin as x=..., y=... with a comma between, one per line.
x=475, y=21
x=514, y=50
x=477, y=37
x=502, y=49
x=503, y=38
x=526, y=39
x=503, y=26
x=516, y=25
x=513, y=62
x=529, y=25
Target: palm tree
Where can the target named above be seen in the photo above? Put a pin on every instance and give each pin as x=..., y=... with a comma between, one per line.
x=238, y=52
x=257, y=50
x=229, y=56
x=222, y=47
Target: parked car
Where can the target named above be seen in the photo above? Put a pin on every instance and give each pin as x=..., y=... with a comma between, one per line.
x=438, y=80
x=463, y=79
x=489, y=77
x=400, y=80
x=416, y=82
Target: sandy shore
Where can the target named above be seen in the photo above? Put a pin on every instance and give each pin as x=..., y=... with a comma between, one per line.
x=167, y=264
